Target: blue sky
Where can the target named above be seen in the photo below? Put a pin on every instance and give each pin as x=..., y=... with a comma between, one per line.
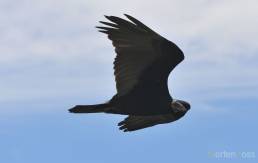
x=53, y=58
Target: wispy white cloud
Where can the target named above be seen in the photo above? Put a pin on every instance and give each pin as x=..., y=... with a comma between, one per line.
x=51, y=49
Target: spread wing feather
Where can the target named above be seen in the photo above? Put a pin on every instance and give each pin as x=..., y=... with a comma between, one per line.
x=137, y=48
x=132, y=123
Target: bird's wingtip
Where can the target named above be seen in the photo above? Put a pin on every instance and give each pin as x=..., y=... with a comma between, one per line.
x=127, y=15
x=106, y=16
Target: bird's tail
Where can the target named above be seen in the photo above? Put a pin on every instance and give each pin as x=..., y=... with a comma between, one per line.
x=89, y=108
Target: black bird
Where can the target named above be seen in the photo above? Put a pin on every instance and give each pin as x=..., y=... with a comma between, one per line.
x=143, y=63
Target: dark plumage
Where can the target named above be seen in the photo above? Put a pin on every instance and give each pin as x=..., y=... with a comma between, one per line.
x=143, y=63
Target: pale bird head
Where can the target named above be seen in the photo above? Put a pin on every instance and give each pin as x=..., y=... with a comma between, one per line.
x=180, y=106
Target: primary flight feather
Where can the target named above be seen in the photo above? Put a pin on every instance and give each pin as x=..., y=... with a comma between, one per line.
x=142, y=65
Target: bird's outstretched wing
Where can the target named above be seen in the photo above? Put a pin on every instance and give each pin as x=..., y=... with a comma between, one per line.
x=142, y=54
x=132, y=123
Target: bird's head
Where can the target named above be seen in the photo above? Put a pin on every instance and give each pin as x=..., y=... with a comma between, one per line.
x=180, y=106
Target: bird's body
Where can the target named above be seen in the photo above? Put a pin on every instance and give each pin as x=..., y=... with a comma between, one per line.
x=143, y=63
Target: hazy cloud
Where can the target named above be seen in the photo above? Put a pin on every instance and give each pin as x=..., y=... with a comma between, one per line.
x=51, y=49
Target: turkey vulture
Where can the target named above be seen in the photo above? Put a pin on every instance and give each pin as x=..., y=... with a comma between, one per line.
x=142, y=65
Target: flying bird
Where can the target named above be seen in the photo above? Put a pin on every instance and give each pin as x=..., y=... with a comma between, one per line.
x=142, y=65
